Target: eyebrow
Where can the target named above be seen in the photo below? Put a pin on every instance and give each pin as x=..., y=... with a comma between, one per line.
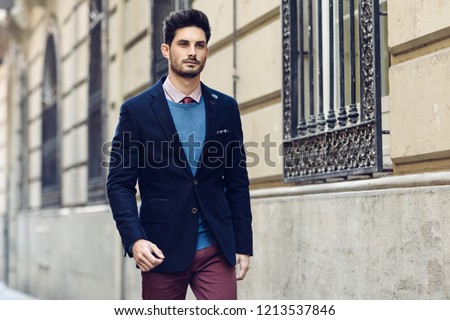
x=197, y=42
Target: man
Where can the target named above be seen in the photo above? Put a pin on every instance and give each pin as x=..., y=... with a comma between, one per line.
x=182, y=142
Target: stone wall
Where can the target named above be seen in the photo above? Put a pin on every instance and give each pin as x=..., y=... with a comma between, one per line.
x=384, y=238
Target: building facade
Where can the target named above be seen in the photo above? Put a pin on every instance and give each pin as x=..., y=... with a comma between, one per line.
x=363, y=213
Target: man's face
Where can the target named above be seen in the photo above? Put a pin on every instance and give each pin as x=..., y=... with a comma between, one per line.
x=188, y=52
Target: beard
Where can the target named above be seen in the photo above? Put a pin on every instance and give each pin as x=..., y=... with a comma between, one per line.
x=184, y=71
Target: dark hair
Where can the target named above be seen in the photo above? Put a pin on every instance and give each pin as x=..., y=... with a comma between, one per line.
x=185, y=18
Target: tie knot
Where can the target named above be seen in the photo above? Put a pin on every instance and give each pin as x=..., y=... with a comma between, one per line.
x=187, y=100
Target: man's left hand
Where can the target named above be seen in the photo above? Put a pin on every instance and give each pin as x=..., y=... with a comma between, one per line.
x=243, y=261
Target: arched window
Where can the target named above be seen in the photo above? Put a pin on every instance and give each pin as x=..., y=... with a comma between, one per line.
x=96, y=100
x=51, y=174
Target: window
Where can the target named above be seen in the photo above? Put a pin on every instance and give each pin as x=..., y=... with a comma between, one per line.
x=96, y=173
x=332, y=88
x=161, y=8
x=51, y=179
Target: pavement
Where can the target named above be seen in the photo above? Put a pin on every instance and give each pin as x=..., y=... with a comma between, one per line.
x=7, y=293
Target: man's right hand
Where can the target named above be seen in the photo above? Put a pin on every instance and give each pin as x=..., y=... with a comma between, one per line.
x=147, y=255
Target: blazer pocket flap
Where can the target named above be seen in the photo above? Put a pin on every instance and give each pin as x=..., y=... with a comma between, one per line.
x=155, y=211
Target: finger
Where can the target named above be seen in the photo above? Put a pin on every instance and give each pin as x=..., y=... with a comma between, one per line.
x=244, y=266
x=146, y=265
x=147, y=260
x=150, y=259
x=157, y=252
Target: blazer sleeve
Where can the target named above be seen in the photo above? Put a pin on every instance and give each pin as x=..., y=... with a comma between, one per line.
x=122, y=178
x=237, y=187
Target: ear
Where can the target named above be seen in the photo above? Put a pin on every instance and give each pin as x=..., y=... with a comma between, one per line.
x=165, y=50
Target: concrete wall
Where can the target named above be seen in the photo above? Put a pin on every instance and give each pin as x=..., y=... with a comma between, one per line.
x=380, y=239
x=68, y=254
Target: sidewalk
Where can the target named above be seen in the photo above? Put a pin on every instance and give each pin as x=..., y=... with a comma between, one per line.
x=11, y=294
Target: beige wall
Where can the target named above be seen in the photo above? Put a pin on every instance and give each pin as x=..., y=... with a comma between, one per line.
x=419, y=41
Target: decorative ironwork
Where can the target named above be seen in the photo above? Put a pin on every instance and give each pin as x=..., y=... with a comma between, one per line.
x=328, y=154
x=287, y=90
x=314, y=151
x=367, y=57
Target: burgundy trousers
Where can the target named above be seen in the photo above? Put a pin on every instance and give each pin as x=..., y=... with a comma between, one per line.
x=210, y=276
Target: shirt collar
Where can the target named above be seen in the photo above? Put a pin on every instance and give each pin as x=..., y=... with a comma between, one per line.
x=173, y=94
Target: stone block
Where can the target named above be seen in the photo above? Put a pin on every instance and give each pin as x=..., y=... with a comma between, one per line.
x=35, y=194
x=420, y=108
x=262, y=138
x=136, y=19
x=220, y=16
x=35, y=134
x=414, y=23
x=261, y=75
x=218, y=71
x=136, y=66
x=35, y=164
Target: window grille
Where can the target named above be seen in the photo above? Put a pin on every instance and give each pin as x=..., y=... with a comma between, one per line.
x=96, y=173
x=51, y=180
x=331, y=89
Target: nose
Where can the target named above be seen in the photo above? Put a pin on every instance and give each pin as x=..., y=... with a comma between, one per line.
x=191, y=51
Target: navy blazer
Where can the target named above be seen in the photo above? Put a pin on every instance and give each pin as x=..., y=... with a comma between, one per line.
x=146, y=150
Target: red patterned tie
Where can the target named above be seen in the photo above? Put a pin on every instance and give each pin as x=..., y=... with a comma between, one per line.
x=187, y=100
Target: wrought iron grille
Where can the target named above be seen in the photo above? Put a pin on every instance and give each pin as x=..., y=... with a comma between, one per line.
x=96, y=173
x=51, y=180
x=328, y=131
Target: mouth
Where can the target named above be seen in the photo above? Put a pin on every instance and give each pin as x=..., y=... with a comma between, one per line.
x=191, y=62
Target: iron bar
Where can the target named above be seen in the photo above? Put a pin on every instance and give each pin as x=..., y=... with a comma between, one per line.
x=361, y=63
x=302, y=127
x=312, y=120
x=342, y=117
x=331, y=120
x=321, y=123
x=353, y=111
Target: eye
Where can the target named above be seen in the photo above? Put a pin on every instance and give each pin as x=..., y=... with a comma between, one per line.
x=200, y=45
x=183, y=44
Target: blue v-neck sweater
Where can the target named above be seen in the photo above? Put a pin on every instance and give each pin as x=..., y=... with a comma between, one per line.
x=190, y=122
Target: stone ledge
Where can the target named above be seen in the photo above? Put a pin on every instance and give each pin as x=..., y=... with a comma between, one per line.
x=383, y=183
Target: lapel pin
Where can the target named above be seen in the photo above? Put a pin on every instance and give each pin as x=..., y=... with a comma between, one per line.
x=214, y=96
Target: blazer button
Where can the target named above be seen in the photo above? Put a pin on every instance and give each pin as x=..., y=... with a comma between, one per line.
x=194, y=210
x=195, y=182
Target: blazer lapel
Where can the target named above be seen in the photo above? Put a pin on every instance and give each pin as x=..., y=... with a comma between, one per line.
x=211, y=103
x=162, y=112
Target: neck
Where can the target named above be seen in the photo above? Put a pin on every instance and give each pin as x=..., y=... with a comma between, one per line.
x=184, y=85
